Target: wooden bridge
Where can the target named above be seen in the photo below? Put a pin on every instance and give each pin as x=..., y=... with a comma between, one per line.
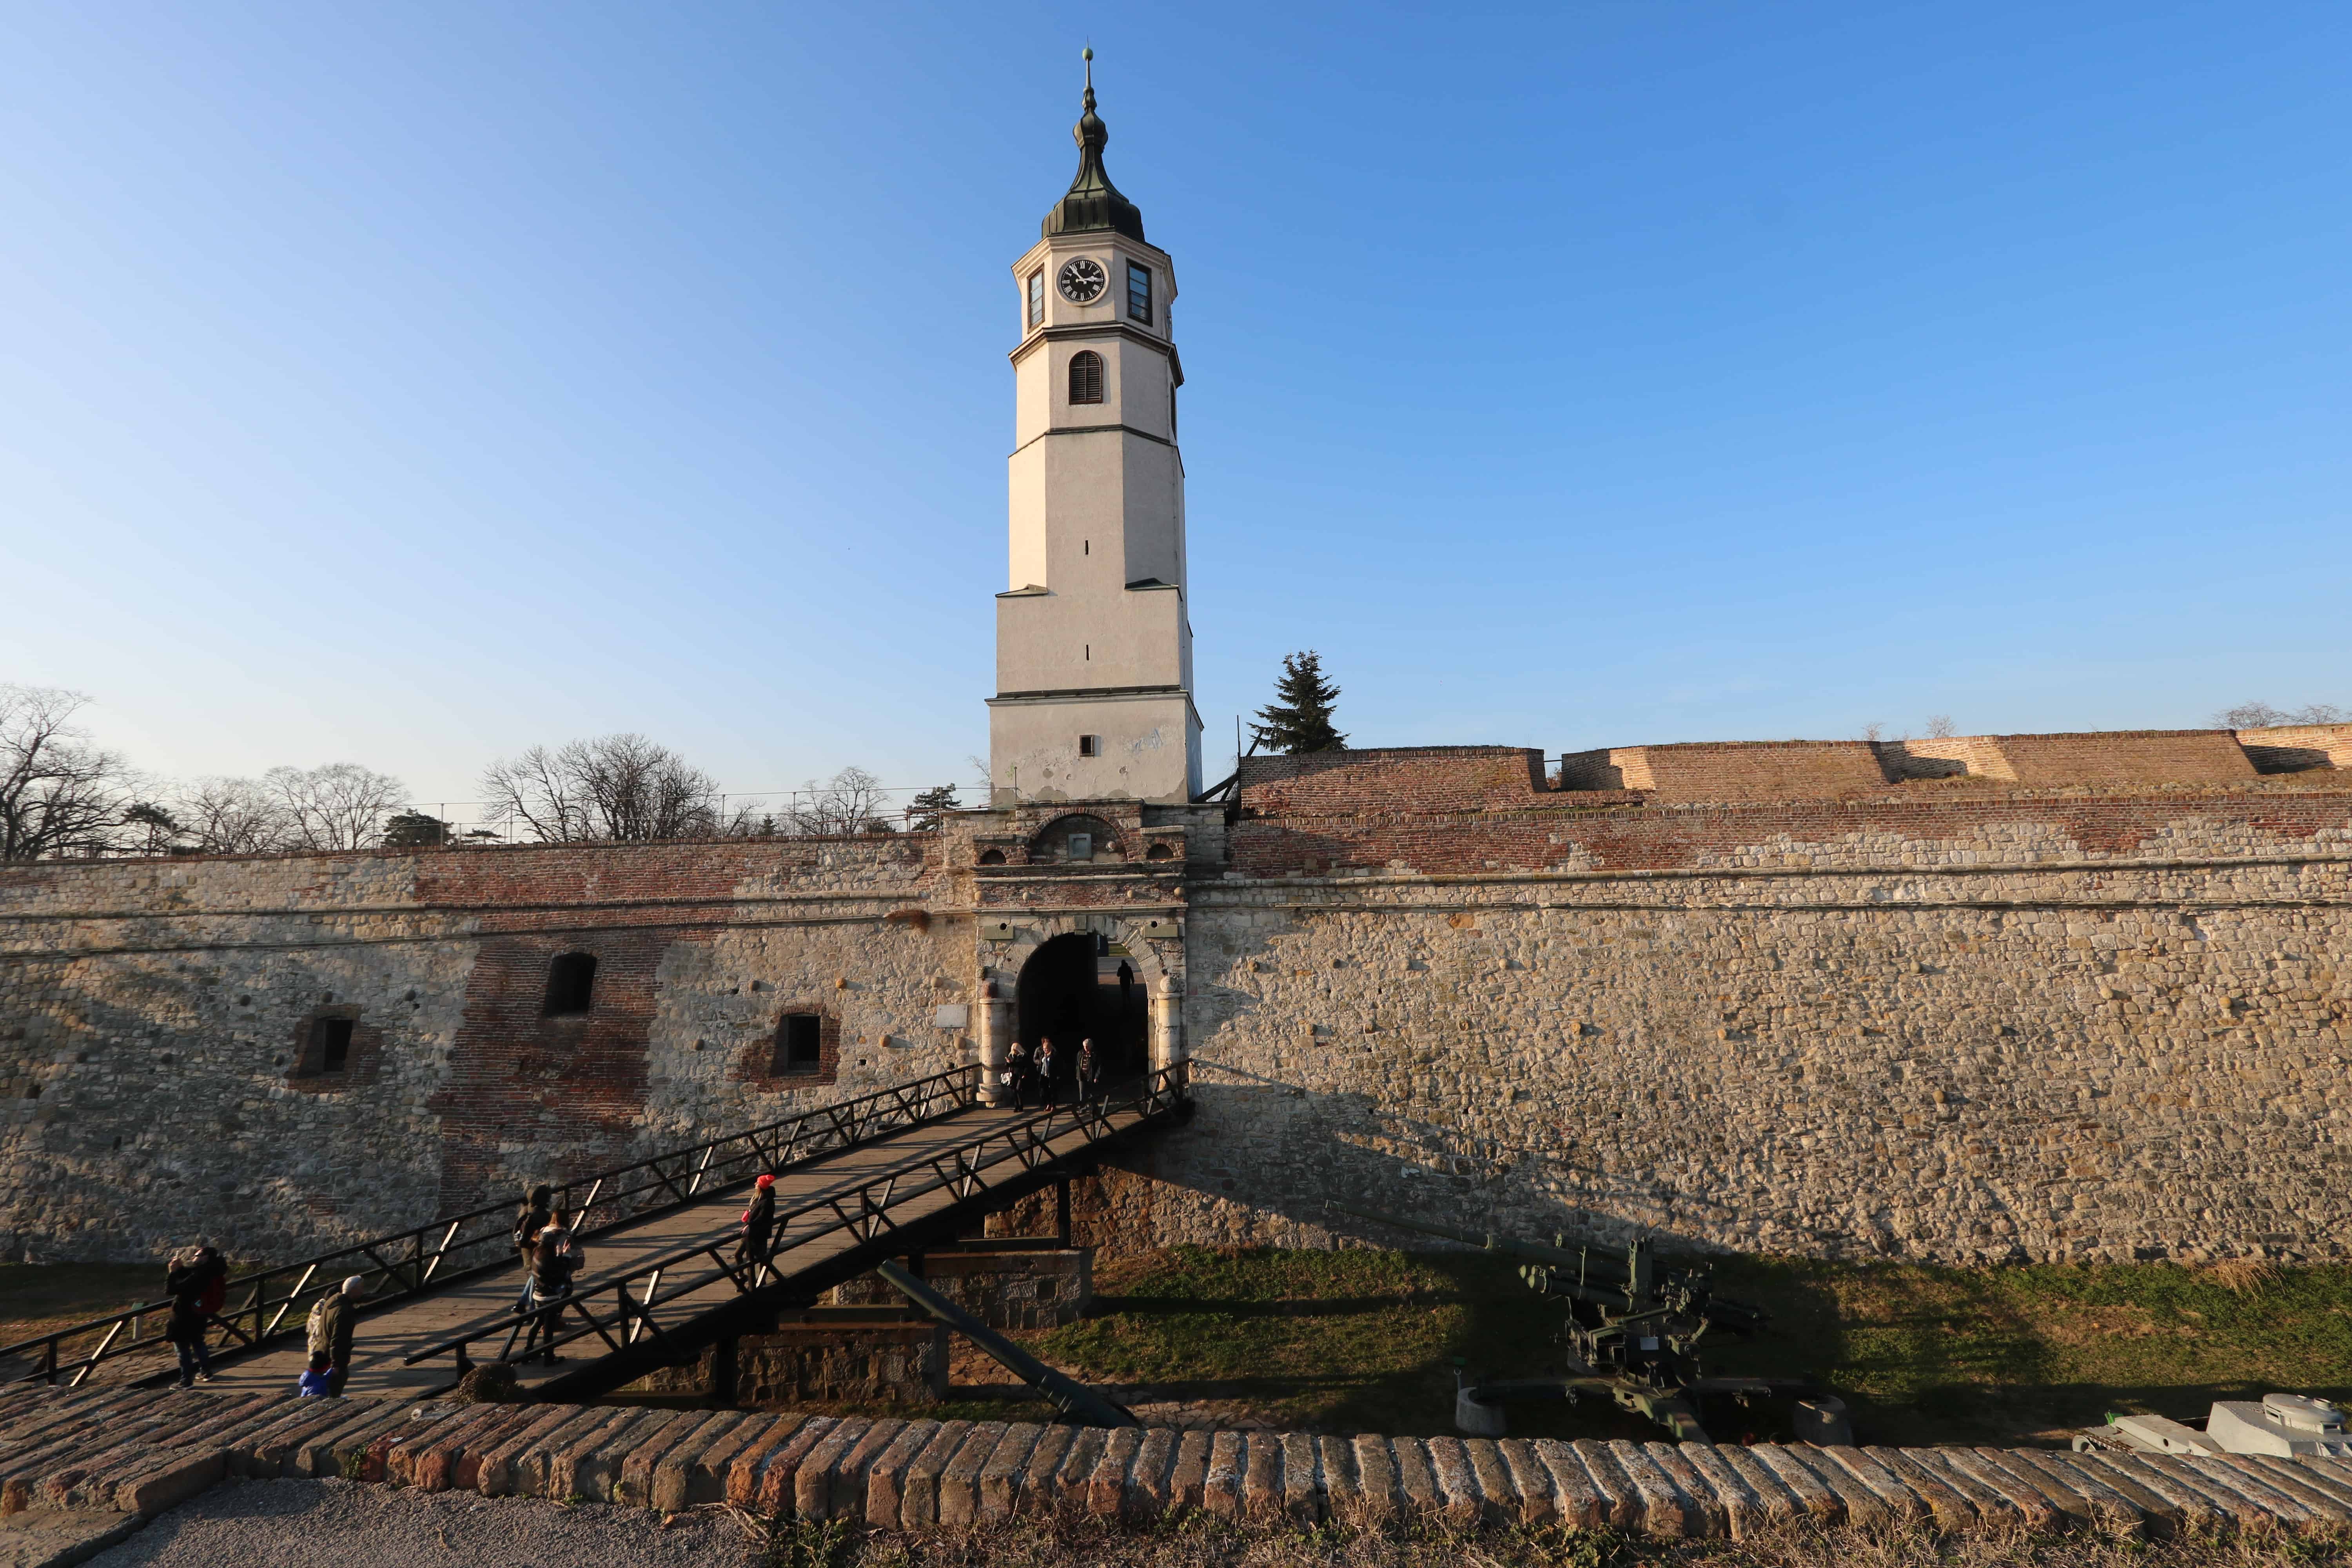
x=857, y=1183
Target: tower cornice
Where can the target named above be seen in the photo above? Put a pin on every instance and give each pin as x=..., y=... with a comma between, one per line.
x=1044, y=335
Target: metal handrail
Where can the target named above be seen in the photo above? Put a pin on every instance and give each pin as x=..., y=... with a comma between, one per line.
x=414, y=1259
x=855, y=1209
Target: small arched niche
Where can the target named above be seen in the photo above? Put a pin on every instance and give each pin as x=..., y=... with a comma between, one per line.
x=571, y=985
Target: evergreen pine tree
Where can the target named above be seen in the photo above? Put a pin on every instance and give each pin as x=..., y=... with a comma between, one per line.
x=1299, y=718
x=930, y=808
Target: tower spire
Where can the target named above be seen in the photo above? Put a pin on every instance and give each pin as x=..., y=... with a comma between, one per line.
x=1092, y=201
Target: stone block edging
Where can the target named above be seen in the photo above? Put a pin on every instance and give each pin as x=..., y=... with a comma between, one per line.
x=139, y=1451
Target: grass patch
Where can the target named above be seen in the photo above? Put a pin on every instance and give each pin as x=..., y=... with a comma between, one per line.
x=1365, y=1341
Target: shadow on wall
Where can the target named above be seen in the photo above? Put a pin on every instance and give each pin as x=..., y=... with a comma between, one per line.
x=1261, y=1157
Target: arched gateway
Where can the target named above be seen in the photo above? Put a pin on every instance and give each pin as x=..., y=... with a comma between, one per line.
x=1070, y=976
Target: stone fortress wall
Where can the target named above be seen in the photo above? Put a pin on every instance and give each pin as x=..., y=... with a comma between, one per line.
x=2058, y=997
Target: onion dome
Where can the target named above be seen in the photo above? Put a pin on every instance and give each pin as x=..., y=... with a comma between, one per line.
x=1093, y=202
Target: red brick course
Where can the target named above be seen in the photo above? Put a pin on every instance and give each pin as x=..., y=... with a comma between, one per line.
x=1396, y=778
x=1653, y=838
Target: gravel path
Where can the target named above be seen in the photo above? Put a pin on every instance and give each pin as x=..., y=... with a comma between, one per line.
x=341, y=1524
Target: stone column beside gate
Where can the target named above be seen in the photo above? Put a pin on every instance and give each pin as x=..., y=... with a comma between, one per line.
x=995, y=1045
x=1167, y=1024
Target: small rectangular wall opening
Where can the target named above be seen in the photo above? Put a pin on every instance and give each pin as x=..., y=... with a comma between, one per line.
x=1090, y=745
x=571, y=985
x=331, y=1045
x=800, y=1045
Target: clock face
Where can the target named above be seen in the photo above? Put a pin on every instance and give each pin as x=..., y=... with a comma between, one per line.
x=1083, y=280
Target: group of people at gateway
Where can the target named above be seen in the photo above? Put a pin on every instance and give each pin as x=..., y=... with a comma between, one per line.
x=1040, y=1074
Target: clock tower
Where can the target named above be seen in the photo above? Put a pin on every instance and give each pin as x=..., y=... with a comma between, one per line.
x=1094, y=649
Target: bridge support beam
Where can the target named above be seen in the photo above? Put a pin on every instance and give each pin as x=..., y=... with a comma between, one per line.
x=725, y=1382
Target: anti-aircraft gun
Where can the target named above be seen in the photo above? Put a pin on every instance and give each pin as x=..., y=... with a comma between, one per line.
x=1632, y=1335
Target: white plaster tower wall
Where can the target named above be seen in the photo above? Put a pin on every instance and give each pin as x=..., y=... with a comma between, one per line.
x=1094, y=646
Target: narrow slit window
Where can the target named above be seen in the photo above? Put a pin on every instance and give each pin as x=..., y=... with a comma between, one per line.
x=331, y=1045
x=1139, y=293
x=571, y=985
x=1086, y=376
x=1037, y=299
x=800, y=1045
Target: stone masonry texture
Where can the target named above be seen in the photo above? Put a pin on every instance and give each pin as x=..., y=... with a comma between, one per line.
x=1944, y=1016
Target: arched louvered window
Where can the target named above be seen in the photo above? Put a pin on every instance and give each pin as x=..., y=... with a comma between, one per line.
x=1086, y=376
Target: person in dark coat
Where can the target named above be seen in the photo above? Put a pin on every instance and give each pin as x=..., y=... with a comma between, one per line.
x=197, y=1282
x=759, y=1223
x=1089, y=1070
x=553, y=1260
x=537, y=1209
x=1049, y=1062
x=334, y=1319
x=1022, y=1072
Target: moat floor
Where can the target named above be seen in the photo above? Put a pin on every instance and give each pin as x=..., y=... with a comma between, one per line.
x=309, y=1525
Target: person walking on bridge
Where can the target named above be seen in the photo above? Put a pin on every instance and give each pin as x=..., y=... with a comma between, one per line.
x=537, y=1209
x=197, y=1282
x=1089, y=1070
x=1049, y=1062
x=554, y=1258
x=758, y=1226
x=1021, y=1073
x=334, y=1319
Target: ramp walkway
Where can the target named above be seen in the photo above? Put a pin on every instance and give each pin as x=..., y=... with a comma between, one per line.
x=857, y=1183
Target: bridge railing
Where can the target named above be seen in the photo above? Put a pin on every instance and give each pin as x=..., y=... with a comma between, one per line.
x=274, y=1303
x=621, y=1310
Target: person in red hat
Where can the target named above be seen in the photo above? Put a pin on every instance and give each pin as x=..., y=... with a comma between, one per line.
x=759, y=1223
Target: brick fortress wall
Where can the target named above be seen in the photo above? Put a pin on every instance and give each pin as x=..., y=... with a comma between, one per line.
x=1948, y=1017
x=2106, y=1018
x=152, y=1015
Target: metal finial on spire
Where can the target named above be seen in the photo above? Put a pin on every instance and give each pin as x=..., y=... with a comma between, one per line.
x=1093, y=202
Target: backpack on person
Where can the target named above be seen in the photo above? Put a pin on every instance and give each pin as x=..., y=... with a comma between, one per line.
x=320, y=1331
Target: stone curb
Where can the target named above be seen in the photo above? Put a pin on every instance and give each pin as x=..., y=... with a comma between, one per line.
x=137, y=1452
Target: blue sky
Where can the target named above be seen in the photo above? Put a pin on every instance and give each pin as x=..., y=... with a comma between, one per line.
x=409, y=383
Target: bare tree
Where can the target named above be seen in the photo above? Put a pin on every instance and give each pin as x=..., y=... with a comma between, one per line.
x=852, y=801
x=339, y=806
x=232, y=816
x=614, y=786
x=1939, y=726
x=59, y=794
x=2263, y=716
